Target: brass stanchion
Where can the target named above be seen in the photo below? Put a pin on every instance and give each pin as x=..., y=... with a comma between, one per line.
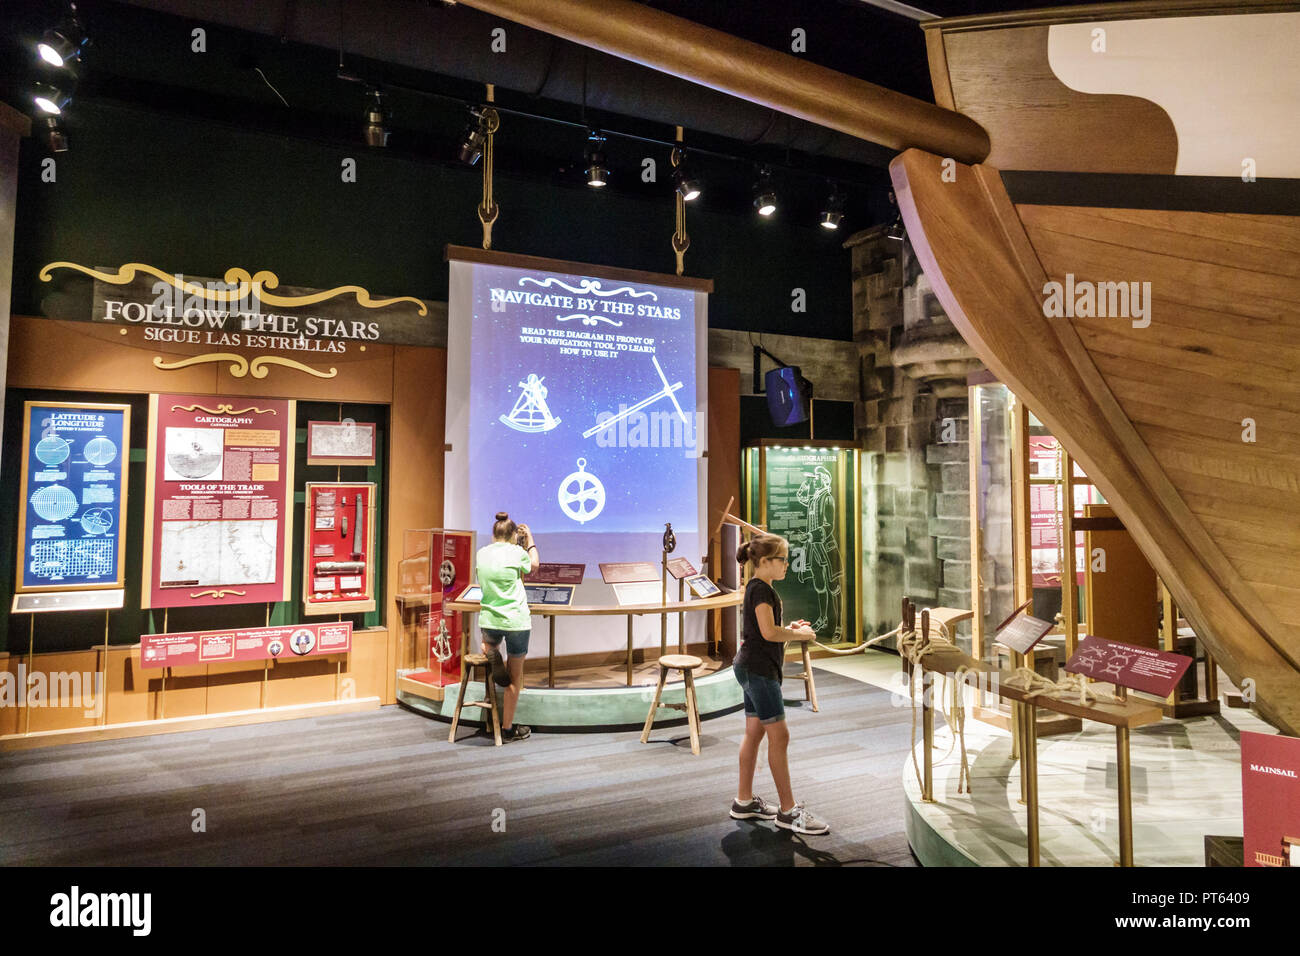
x=103, y=687
x=681, y=616
x=663, y=600
x=162, y=692
x=927, y=734
x=1029, y=772
x=629, y=650
x=550, y=661
x=31, y=659
x=1125, y=796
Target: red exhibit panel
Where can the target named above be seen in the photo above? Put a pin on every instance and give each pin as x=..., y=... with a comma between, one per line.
x=339, y=548
x=446, y=630
x=1270, y=797
x=1127, y=665
x=245, y=644
x=218, y=519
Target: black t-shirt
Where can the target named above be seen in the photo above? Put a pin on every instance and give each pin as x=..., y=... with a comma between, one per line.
x=761, y=657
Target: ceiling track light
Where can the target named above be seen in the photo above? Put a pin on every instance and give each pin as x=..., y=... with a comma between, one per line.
x=50, y=99
x=765, y=200
x=687, y=185
x=833, y=212
x=64, y=43
x=597, y=172
x=55, y=136
x=377, y=116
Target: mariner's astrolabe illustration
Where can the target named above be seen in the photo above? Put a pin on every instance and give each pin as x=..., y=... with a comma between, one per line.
x=194, y=452
x=97, y=521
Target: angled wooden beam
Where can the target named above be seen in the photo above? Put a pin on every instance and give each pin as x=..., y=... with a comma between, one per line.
x=750, y=71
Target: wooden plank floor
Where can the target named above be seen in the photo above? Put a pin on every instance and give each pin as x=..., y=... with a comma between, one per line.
x=387, y=788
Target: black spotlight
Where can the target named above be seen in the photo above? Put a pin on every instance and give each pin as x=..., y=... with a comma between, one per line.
x=471, y=144
x=686, y=184
x=50, y=99
x=897, y=231
x=597, y=171
x=764, y=193
x=65, y=43
x=833, y=211
x=376, y=120
x=55, y=136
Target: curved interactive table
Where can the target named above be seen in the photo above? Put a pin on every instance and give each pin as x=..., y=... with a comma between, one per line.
x=725, y=599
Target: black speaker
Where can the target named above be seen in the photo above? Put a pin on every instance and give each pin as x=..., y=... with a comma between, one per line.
x=788, y=395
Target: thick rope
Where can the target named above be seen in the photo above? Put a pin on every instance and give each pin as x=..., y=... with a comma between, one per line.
x=1068, y=687
x=912, y=648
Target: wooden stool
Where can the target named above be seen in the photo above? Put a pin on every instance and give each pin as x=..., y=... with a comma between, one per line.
x=472, y=663
x=810, y=689
x=686, y=664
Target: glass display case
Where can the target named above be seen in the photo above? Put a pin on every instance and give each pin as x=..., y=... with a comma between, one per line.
x=435, y=567
x=809, y=494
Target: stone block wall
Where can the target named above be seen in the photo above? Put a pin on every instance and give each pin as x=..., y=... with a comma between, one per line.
x=912, y=396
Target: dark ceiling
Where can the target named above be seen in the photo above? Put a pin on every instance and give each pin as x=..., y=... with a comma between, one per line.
x=140, y=56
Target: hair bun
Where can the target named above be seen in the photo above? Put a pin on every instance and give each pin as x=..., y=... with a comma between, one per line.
x=502, y=516
x=742, y=553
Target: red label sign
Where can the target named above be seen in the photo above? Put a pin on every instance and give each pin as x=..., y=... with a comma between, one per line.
x=629, y=572
x=556, y=574
x=222, y=473
x=1127, y=665
x=245, y=644
x=680, y=568
x=446, y=633
x=1270, y=798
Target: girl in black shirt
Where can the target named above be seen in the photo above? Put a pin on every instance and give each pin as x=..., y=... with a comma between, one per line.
x=758, y=670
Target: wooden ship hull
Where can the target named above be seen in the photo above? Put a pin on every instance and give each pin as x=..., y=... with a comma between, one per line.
x=1149, y=142
x=1188, y=416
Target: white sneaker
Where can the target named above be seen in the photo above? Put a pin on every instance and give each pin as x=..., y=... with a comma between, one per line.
x=799, y=820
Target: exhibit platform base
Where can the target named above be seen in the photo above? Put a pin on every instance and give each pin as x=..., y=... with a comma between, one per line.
x=610, y=707
x=1186, y=784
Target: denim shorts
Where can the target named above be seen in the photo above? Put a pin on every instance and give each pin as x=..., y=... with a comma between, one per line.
x=762, y=695
x=516, y=641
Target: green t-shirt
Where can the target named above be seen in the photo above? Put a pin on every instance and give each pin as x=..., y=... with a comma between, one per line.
x=501, y=569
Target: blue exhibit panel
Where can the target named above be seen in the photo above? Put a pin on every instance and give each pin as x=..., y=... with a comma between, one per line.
x=74, y=484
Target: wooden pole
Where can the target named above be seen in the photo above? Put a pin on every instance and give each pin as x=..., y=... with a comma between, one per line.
x=750, y=71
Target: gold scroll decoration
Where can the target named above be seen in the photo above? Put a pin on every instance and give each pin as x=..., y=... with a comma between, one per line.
x=217, y=593
x=240, y=366
x=223, y=409
x=243, y=281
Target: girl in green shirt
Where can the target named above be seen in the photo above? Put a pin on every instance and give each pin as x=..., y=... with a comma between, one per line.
x=503, y=611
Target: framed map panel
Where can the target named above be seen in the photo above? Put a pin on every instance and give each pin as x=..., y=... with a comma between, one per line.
x=341, y=443
x=218, y=511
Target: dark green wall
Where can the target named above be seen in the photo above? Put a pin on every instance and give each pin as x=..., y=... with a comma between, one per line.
x=198, y=197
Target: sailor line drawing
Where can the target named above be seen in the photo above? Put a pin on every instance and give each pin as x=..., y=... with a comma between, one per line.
x=823, y=564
